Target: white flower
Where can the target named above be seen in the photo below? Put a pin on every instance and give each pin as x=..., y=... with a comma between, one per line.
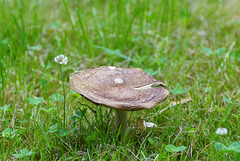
x=61, y=59
x=221, y=131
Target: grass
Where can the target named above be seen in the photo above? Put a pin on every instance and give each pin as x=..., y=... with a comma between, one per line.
x=175, y=41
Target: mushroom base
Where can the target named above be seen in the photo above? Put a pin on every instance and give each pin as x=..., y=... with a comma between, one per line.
x=121, y=118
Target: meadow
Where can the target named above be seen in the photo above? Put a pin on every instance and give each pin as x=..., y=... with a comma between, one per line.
x=191, y=46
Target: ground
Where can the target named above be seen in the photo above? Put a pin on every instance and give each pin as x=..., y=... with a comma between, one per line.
x=191, y=46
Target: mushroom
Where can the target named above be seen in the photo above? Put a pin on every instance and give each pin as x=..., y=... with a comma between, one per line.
x=122, y=89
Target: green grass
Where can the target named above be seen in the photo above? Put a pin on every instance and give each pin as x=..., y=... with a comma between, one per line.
x=167, y=38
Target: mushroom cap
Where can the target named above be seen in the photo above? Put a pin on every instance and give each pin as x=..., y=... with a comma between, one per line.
x=128, y=89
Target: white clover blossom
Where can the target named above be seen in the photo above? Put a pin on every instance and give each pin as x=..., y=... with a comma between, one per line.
x=221, y=131
x=61, y=59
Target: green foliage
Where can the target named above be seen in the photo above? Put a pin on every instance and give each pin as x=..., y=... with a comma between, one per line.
x=232, y=148
x=237, y=116
x=80, y=114
x=179, y=90
x=217, y=52
x=48, y=110
x=113, y=52
x=171, y=148
x=153, y=142
x=23, y=153
x=57, y=97
x=208, y=51
x=191, y=46
x=36, y=48
x=35, y=101
x=151, y=72
x=6, y=108
x=9, y=133
x=64, y=132
x=227, y=100
x=53, y=128
x=92, y=137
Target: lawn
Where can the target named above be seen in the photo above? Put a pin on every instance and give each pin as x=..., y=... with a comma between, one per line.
x=191, y=46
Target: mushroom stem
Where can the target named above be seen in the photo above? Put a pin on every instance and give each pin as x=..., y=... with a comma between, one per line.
x=121, y=117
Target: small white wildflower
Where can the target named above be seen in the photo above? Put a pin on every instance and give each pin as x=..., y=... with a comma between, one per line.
x=61, y=59
x=221, y=131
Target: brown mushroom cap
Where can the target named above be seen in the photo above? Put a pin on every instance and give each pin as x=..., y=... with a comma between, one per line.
x=119, y=88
